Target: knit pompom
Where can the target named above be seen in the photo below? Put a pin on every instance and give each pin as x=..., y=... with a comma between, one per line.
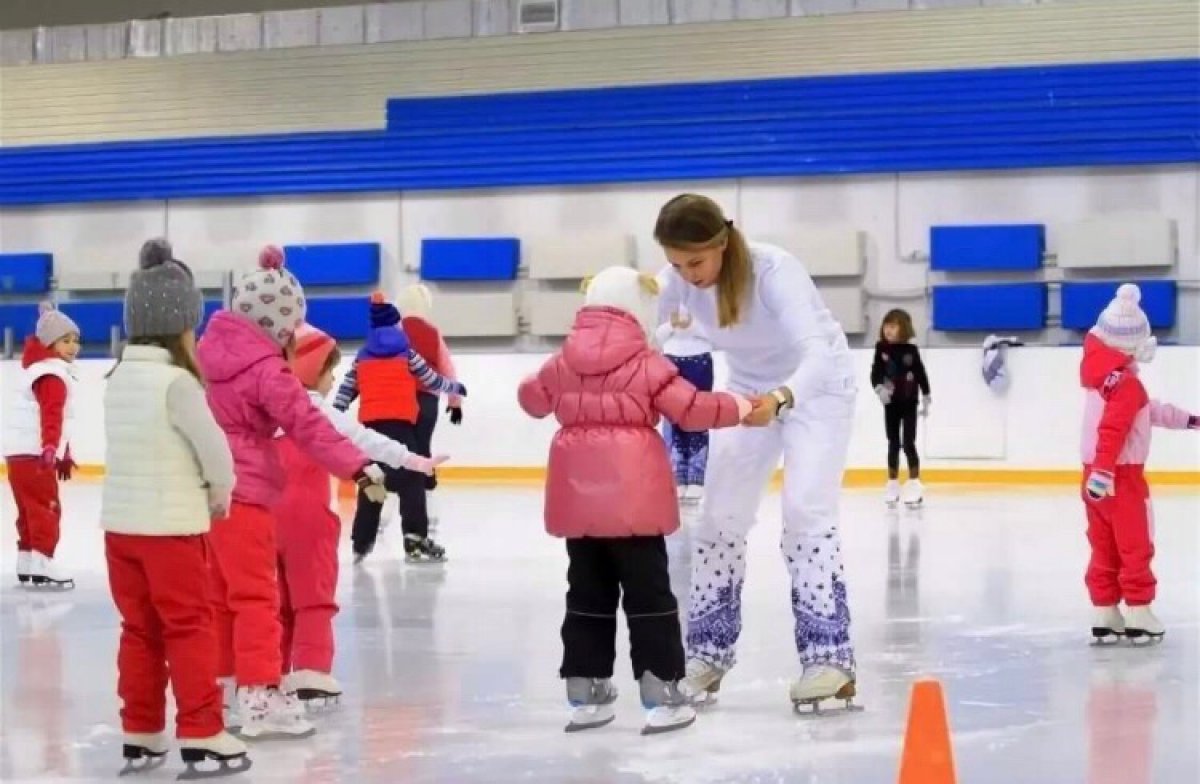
x=155, y=252
x=1129, y=292
x=45, y=306
x=377, y=298
x=271, y=257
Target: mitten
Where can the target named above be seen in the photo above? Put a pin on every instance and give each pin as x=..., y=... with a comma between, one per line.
x=65, y=468
x=926, y=402
x=1099, y=484
x=744, y=406
x=458, y=389
x=455, y=413
x=219, y=501
x=1194, y=422
x=884, y=393
x=370, y=481
x=424, y=465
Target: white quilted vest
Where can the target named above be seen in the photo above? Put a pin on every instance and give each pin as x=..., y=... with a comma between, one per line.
x=23, y=417
x=153, y=485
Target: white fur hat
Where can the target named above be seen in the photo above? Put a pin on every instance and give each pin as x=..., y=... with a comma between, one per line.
x=415, y=300
x=1123, y=325
x=625, y=288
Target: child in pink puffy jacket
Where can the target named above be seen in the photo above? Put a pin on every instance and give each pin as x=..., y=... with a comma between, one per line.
x=610, y=493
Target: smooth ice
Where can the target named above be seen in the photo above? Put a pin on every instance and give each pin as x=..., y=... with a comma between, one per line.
x=451, y=672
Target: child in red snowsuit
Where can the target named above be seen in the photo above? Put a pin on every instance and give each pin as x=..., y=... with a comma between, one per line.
x=1117, y=422
x=308, y=530
x=37, y=448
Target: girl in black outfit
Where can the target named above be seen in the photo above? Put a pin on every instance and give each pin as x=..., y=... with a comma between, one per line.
x=897, y=375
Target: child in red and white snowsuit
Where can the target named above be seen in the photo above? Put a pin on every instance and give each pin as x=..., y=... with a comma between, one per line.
x=610, y=492
x=1117, y=422
x=308, y=530
x=37, y=431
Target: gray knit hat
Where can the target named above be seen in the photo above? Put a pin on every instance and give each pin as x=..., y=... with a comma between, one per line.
x=162, y=298
x=53, y=325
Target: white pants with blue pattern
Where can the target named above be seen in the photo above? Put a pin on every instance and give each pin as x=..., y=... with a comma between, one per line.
x=813, y=440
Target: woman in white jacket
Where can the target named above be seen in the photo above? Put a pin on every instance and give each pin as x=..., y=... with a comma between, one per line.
x=757, y=303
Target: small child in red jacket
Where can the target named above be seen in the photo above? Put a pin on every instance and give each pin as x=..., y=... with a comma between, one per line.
x=1117, y=422
x=610, y=492
x=37, y=433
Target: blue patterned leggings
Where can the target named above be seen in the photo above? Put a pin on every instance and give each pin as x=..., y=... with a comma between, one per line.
x=689, y=451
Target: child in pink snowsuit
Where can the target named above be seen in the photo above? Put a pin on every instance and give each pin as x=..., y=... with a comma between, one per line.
x=1117, y=420
x=610, y=492
x=308, y=530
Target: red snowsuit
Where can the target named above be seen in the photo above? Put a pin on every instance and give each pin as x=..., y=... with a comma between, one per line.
x=1118, y=417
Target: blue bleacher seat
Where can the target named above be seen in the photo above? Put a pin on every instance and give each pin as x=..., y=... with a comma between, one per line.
x=1083, y=301
x=987, y=307
x=25, y=273
x=96, y=318
x=968, y=248
x=344, y=318
x=344, y=264
x=488, y=258
x=21, y=318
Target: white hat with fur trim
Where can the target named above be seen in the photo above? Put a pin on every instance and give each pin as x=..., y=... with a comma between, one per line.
x=1123, y=324
x=627, y=289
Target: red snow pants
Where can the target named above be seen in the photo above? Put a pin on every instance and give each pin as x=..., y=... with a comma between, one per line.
x=1121, y=535
x=35, y=489
x=160, y=586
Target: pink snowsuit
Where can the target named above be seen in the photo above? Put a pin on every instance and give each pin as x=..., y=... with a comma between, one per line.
x=609, y=475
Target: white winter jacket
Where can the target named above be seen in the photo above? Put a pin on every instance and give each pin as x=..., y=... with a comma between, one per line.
x=168, y=464
x=23, y=416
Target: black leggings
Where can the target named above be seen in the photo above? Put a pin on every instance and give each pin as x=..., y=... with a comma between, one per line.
x=900, y=417
x=409, y=485
x=426, y=421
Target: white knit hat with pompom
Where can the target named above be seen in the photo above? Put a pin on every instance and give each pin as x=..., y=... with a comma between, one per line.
x=1123, y=325
x=53, y=325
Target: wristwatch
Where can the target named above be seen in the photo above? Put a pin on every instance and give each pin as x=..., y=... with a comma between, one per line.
x=782, y=402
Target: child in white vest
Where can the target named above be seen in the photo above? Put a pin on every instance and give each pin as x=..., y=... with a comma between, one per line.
x=169, y=472
x=37, y=431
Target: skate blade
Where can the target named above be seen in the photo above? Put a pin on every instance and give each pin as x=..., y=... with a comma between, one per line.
x=42, y=585
x=228, y=766
x=811, y=706
x=317, y=700
x=1105, y=638
x=651, y=729
x=274, y=735
x=141, y=760
x=1143, y=639
x=590, y=725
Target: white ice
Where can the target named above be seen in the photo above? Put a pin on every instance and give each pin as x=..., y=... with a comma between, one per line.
x=451, y=672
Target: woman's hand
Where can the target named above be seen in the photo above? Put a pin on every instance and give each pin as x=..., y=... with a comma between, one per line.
x=764, y=411
x=680, y=320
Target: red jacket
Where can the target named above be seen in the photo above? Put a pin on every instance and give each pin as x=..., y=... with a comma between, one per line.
x=609, y=475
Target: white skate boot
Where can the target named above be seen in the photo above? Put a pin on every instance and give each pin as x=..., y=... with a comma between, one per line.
x=269, y=714
x=592, y=702
x=822, y=682
x=227, y=751
x=24, y=565
x=1142, y=627
x=1108, y=626
x=891, y=493
x=431, y=511
x=914, y=493
x=44, y=574
x=701, y=682
x=667, y=709
x=314, y=689
x=143, y=751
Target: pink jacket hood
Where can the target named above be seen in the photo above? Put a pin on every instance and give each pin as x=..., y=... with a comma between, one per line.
x=232, y=344
x=609, y=475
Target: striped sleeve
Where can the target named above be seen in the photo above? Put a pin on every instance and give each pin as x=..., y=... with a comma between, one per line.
x=429, y=378
x=348, y=391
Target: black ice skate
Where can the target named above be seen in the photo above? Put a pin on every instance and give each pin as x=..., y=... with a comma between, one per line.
x=423, y=550
x=143, y=752
x=226, y=751
x=819, y=683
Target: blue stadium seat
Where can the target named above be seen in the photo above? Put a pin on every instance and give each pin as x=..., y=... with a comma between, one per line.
x=25, y=273
x=982, y=308
x=490, y=258
x=344, y=318
x=96, y=318
x=345, y=264
x=969, y=248
x=20, y=317
x=1083, y=301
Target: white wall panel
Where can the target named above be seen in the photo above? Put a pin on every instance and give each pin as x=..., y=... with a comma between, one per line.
x=448, y=19
x=493, y=17
x=341, y=25
x=395, y=22
x=287, y=29
x=644, y=12
x=1117, y=240
x=551, y=313
x=86, y=238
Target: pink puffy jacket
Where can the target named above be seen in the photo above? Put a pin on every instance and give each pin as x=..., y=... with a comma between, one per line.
x=609, y=475
x=252, y=394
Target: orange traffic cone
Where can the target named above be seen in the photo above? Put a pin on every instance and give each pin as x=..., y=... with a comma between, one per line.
x=927, y=757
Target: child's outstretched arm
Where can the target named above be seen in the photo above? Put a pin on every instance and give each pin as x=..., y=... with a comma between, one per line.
x=288, y=405
x=1171, y=417
x=432, y=380
x=687, y=407
x=377, y=446
x=348, y=390
x=533, y=396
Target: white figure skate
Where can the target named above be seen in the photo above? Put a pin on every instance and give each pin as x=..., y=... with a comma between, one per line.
x=701, y=682
x=891, y=493
x=143, y=752
x=269, y=714
x=913, y=494
x=591, y=700
x=227, y=751
x=822, y=682
x=1108, y=626
x=1142, y=627
x=24, y=564
x=667, y=708
x=314, y=689
x=45, y=575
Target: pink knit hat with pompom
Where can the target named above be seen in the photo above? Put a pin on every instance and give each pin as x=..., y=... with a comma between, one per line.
x=271, y=297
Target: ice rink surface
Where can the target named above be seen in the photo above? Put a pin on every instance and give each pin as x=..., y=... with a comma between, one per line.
x=451, y=672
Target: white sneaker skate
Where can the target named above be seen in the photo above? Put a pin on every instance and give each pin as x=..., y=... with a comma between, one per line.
x=701, y=682
x=313, y=688
x=269, y=714
x=143, y=751
x=1108, y=626
x=667, y=709
x=592, y=702
x=1142, y=627
x=891, y=493
x=822, y=682
x=914, y=493
x=24, y=565
x=44, y=574
x=227, y=751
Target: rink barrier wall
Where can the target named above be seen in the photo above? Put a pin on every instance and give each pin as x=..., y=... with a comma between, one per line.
x=1111, y=114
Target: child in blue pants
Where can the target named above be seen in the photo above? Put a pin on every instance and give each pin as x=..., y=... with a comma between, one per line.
x=690, y=351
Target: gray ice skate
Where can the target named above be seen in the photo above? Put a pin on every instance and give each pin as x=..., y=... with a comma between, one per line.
x=592, y=702
x=667, y=709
